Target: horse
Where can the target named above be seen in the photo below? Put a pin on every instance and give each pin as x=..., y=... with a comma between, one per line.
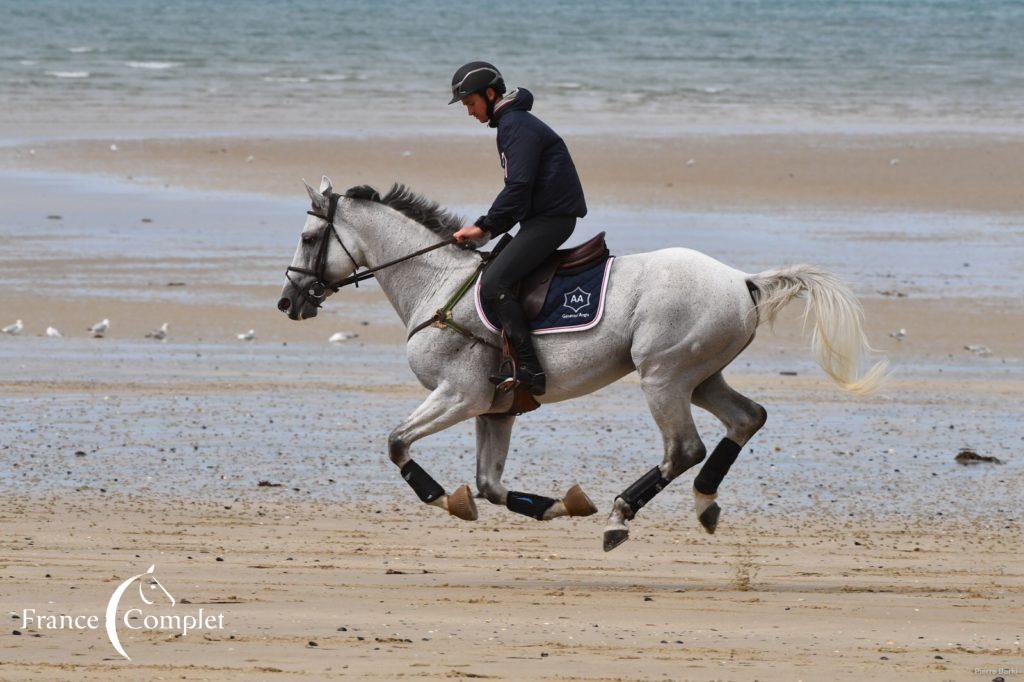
x=675, y=316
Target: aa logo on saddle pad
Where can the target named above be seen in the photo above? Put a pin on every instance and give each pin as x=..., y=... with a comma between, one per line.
x=576, y=300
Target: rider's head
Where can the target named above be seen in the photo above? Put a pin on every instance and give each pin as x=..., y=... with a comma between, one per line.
x=478, y=85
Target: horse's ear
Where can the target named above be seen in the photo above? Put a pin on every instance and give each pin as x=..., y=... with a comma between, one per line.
x=325, y=186
x=314, y=196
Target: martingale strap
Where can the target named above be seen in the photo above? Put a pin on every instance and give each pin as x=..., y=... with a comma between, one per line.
x=443, y=317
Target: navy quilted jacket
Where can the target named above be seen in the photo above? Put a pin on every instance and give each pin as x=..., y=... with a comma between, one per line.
x=540, y=178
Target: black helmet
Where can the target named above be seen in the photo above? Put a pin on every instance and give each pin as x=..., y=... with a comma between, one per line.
x=476, y=77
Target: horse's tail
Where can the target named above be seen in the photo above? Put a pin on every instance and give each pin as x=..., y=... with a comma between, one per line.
x=837, y=341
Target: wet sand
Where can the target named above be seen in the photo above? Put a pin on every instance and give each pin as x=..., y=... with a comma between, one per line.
x=851, y=546
x=907, y=171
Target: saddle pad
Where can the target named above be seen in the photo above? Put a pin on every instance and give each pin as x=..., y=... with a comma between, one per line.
x=575, y=302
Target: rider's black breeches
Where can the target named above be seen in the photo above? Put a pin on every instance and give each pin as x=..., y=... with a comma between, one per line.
x=537, y=239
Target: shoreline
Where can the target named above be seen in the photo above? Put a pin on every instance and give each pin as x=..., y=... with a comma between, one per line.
x=912, y=172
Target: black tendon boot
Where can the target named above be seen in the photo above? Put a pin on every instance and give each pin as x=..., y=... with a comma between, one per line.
x=527, y=367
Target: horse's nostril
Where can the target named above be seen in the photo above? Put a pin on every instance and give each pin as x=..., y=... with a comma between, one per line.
x=284, y=304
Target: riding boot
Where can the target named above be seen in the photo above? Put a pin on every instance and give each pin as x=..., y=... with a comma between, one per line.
x=528, y=369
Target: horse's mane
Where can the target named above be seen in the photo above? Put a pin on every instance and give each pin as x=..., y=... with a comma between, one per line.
x=427, y=213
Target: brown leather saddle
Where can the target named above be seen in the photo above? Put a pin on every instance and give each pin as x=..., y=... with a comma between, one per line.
x=533, y=290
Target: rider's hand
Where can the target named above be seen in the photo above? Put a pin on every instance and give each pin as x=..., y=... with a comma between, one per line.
x=469, y=233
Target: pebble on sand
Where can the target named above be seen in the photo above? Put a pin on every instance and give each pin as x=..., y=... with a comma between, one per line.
x=966, y=457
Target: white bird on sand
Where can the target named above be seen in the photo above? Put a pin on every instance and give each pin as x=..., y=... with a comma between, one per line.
x=898, y=335
x=978, y=349
x=158, y=334
x=52, y=331
x=100, y=328
x=13, y=329
x=248, y=336
x=338, y=337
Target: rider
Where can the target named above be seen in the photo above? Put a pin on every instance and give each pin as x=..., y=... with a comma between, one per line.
x=542, y=193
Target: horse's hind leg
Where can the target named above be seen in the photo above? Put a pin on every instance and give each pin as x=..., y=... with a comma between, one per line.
x=493, y=433
x=669, y=400
x=742, y=418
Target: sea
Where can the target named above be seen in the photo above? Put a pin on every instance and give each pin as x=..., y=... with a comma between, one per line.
x=68, y=67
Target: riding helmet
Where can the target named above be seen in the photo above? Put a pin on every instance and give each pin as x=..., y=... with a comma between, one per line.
x=476, y=77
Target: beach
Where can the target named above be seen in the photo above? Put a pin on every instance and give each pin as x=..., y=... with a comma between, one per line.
x=851, y=543
x=152, y=173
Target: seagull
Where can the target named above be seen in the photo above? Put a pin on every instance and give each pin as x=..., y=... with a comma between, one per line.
x=978, y=349
x=338, y=337
x=158, y=334
x=100, y=328
x=13, y=329
x=52, y=331
x=898, y=335
x=248, y=336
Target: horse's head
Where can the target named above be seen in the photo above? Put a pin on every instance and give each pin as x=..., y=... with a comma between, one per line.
x=327, y=252
x=149, y=583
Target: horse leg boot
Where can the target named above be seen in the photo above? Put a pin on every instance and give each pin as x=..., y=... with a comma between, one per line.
x=742, y=418
x=527, y=367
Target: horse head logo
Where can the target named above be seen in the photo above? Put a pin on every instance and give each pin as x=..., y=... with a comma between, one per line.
x=147, y=583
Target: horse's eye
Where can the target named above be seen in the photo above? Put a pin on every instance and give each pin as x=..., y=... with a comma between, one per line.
x=308, y=238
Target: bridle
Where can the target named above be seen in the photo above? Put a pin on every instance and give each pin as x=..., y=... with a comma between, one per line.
x=315, y=292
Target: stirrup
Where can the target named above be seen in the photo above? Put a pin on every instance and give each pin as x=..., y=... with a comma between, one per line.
x=505, y=380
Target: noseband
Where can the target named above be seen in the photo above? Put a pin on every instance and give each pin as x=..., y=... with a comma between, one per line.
x=315, y=292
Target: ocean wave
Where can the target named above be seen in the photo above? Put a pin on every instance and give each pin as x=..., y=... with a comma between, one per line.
x=708, y=90
x=152, y=65
x=68, y=74
x=568, y=85
x=333, y=77
x=286, y=79
x=81, y=49
x=27, y=62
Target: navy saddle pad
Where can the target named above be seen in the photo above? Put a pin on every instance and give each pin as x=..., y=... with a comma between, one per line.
x=574, y=302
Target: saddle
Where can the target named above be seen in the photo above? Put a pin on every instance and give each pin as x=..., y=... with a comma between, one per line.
x=532, y=290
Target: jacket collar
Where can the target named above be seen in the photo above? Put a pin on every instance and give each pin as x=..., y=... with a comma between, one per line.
x=519, y=99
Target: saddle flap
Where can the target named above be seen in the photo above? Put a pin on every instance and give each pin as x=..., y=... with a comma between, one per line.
x=533, y=290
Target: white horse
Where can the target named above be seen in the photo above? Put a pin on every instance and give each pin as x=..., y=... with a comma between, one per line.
x=675, y=316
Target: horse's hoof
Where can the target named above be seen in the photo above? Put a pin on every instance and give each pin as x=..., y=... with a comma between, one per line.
x=614, y=537
x=709, y=517
x=577, y=503
x=462, y=505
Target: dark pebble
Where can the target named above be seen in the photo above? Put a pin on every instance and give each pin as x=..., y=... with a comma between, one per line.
x=15, y=632
x=220, y=558
x=312, y=643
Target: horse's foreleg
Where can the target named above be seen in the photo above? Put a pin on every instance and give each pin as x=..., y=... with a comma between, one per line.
x=669, y=401
x=742, y=418
x=443, y=408
x=493, y=434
